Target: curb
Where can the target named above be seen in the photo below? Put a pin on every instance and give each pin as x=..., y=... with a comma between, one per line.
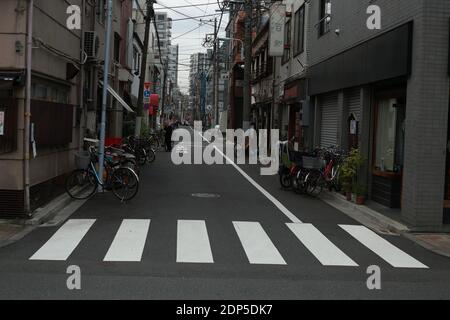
x=18, y=236
x=426, y=245
x=53, y=214
x=47, y=213
x=366, y=216
x=376, y=221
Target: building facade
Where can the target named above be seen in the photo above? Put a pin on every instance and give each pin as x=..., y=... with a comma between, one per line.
x=65, y=93
x=386, y=92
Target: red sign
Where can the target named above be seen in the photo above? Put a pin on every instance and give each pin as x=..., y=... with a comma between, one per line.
x=291, y=93
x=154, y=100
x=147, y=85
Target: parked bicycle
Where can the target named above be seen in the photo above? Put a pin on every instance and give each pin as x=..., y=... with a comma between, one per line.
x=84, y=182
x=322, y=171
x=291, y=172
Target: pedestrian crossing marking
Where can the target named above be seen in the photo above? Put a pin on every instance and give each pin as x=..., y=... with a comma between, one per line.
x=193, y=242
x=320, y=246
x=257, y=244
x=129, y=242
x=384, y=249
x=61, y=245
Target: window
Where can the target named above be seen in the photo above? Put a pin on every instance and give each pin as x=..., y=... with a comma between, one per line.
x=390, y=136
x=299, y=30
x=325, y=16
x=287, y=42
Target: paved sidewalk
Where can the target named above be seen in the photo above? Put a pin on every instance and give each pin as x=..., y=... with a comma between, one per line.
x=12, y=232
x=437, y=242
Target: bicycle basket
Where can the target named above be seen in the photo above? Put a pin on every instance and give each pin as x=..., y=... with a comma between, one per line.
x=82, y=160
x=312, y=163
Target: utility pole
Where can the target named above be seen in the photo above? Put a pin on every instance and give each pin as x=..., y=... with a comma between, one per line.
x=216, y=74
x=164, y=90
x=140, y=111
x=101, y=150
x=247, y=63
x=27, y=111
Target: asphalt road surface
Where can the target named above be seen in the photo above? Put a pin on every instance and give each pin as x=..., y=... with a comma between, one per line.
x=216, y=232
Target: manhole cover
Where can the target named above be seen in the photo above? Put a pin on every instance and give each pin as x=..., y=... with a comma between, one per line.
x=205, y=195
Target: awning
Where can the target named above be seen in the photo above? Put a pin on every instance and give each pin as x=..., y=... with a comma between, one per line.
x=118, y=98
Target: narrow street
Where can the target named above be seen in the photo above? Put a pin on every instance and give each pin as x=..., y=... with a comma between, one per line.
x=207, y=232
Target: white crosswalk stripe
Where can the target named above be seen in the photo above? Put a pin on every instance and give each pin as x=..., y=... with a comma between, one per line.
x=257, y=244
x=128, y=245
x=384, y=249
x=193, y=243
x=319, y=245
x=60, y=246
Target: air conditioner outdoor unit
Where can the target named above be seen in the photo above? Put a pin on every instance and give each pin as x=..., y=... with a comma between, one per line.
x=91, y=44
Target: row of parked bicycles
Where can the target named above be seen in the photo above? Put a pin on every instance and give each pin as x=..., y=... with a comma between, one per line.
x=310, y=172
x=122, y=166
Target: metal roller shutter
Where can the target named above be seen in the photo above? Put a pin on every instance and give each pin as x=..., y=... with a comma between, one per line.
x=329, y=124
x=353, y=102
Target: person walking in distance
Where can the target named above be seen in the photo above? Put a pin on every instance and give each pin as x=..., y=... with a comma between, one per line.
x=168, y=126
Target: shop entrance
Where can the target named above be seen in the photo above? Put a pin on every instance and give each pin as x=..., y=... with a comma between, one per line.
x=388, y=150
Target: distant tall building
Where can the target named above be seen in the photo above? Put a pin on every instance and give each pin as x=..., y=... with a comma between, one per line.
x=173, y=65
x=199, y=62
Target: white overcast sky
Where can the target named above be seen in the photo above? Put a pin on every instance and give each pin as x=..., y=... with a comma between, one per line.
x=191, y=42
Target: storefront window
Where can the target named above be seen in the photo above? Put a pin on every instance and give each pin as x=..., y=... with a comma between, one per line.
x=386, y=135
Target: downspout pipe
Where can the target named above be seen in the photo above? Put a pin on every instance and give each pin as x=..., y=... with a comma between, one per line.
x=83, y=116
x=27, y=111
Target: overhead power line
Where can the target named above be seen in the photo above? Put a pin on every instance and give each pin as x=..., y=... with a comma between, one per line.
x=185, y=6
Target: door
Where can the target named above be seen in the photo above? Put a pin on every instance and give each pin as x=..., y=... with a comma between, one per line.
x=328, y=105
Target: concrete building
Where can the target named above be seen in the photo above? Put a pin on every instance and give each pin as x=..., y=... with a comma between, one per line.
x=57, y=110
x=291, y=104
x=173, y=66
x=386, y=91
x=262, y=80
x=235, y=30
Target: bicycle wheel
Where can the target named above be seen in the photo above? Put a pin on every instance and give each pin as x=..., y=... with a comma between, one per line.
x=314, y=183
x=285, y=180
x=151, y=156
x=336, y=178
x=298, y=182
x=125, y=184
x=81, y=184
x=132, y=165
x=141, y=156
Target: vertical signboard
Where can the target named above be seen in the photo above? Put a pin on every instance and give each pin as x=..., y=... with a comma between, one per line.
x=277, y=26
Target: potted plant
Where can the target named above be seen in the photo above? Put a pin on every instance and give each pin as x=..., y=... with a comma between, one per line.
x=349, y=173
x=346, y=178
x=360, y=193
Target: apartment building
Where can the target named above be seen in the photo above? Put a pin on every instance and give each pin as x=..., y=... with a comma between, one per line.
x=386, y=91
x=61, y=75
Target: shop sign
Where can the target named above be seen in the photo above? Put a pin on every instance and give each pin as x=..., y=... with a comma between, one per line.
x=291, y=93
x=277, y=25
x=295, y=91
